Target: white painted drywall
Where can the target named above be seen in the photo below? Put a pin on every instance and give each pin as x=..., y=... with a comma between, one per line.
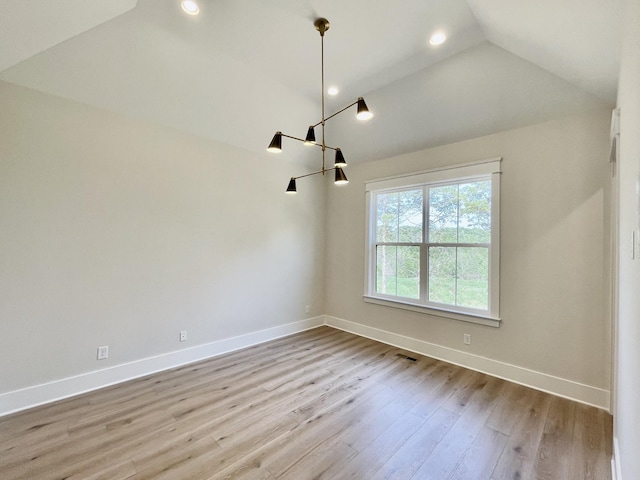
x=555, y=255
x=627, y=418
x=118, y=232
x=122, y=233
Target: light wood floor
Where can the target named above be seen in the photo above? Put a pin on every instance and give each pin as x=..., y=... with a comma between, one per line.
x=323, y=404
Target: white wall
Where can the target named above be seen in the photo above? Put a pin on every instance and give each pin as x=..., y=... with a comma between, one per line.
x=627, y=418
x=121, y=233
x=555, y=259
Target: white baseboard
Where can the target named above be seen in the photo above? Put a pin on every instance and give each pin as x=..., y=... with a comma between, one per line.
x=14, y=401
x=589, y=395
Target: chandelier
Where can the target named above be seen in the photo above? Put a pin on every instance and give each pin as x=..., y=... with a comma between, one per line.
x=363, y=113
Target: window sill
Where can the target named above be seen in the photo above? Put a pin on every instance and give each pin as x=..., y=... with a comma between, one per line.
x=464, y=317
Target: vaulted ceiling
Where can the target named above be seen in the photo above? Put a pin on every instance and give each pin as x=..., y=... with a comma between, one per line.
x=243, y=69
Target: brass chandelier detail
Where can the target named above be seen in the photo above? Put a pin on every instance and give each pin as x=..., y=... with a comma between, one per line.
x=363, y=113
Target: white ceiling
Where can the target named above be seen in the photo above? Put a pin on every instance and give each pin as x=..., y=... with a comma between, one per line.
x=243, y=69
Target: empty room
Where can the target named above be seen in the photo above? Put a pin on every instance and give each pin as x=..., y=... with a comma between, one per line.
x=303, y=239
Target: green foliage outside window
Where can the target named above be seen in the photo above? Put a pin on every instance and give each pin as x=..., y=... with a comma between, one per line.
x=458, y=234
x=399, y=220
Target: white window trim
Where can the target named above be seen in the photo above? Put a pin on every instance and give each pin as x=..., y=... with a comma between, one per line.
x=464, y=171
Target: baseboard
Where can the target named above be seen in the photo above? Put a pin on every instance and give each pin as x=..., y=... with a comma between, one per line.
x=615, y=461
x=30, y=397
x=586, y=394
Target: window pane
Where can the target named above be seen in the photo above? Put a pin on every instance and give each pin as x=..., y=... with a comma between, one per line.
x=386, y=275
x=442, y=275
x=473, y=277
x=410, y=216
x=399, y=217
x=459, y=276
x=398, y=271
x=443, y=214
x=409, y=272
x=474, y=224
x=387, y=217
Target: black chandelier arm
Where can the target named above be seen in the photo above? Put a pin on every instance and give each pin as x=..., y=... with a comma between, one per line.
x=294, y=138
x=314, y=143
x=337, y=113
x=331, y=148
x=323, y=171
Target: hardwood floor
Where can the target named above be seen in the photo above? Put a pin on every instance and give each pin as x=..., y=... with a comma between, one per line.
x=323, y=404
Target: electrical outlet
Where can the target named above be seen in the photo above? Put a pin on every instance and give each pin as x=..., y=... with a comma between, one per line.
x=103, y=352
x=307, y=309
x=467, y=339
x=183, y=335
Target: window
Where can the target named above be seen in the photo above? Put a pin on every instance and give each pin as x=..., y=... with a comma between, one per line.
x=433, y=242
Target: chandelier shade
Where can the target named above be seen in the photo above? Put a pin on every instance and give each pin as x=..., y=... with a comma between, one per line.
x=310, y=139
x=292, y=186
x=363, y=113
x=341, y=178
x=276, y=143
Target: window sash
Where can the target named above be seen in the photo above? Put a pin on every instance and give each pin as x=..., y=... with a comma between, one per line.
x=458, y=280
x=486, y=170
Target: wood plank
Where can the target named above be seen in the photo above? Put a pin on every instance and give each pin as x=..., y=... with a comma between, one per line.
x=520, y=453
x=326, y=461
x=280, y=455
x=481, y=458
x=373, y=457
x=376, y=416
x=591, y=448
x=555, y=449
x=107, y=468
x=446, y=380
x=452, y=448
x=509, y=408
x=413, y=453
x=176, y=459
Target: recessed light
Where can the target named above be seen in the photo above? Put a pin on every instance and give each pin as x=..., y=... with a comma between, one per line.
x=437, y=38
x=190, y=7
x=333, y=91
